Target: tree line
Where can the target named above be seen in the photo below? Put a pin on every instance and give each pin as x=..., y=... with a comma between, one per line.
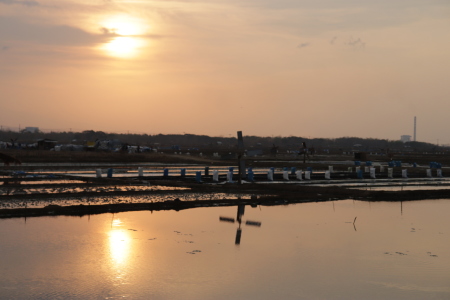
x=187, y=141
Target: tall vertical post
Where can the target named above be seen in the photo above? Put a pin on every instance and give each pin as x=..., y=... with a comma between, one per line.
x=304, y=152
x=241, y=162
x=415, y=128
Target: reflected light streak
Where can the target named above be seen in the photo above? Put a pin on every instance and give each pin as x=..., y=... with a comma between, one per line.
x=116, y=222
x=119, y=244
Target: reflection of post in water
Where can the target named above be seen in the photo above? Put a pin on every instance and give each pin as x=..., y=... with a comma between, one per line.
x=240, y=213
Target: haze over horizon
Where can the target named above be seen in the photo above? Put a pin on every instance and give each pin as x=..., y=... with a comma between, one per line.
x=319, y=69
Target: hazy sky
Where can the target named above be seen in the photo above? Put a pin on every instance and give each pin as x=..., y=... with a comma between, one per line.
x=312, y=68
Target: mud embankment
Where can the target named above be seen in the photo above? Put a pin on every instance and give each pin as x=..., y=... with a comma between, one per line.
x=260, y=195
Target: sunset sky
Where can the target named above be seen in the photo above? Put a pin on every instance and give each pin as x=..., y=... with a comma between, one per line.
x=311, y=68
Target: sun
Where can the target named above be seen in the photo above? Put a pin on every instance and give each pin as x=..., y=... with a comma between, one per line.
x=126, y=35
x=123, y=46
x=125, y=25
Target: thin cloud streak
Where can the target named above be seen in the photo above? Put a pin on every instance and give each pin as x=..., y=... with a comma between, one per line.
x=303, y=45
x=18, y=2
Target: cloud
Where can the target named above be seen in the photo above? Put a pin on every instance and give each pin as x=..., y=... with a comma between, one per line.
x=356, y=44
x=12, y=29
x=18, y=2
x=108, y=32
x=332, y=17
x=303, y=45
x=5, y=48
x=342, y=4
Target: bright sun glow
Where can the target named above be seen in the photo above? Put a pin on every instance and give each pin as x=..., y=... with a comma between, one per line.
x=125, y=25
x=123, y=46
x=127, y=43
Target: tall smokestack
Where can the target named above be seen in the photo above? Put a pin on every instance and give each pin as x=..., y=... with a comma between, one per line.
x=414, y=128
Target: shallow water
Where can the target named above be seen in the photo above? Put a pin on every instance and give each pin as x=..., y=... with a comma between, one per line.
x=301, y=251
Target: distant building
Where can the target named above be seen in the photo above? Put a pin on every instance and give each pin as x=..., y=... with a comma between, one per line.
x=46, y=144
x=405, y=138
x=31, y=129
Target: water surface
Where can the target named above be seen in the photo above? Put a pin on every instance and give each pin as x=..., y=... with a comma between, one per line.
x=301, y=251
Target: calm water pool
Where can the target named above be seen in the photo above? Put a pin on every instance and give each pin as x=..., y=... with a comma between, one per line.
x=301, y=251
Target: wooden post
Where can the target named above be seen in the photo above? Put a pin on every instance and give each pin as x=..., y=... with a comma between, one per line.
x=241, y=162
x=304, y=152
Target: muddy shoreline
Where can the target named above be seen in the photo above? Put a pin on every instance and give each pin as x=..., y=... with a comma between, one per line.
x=266, y=195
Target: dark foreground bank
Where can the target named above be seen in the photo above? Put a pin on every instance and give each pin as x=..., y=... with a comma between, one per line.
x=270, y=196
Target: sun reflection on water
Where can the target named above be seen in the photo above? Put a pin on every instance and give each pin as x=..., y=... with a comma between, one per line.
x=119, y=246
x=119, y=251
